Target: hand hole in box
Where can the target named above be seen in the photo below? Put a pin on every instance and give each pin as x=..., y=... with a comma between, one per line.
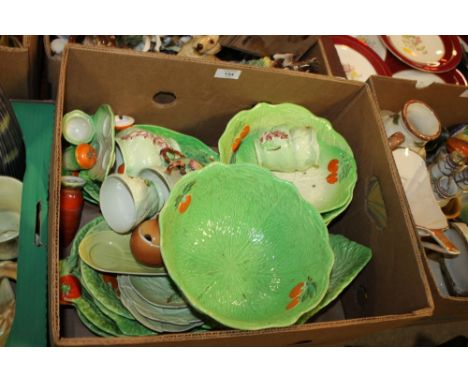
x=164, y=99
x=375, y=203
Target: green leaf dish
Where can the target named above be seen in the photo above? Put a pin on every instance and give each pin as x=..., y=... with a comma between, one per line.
x=104, y=142
x=91, y=188
x=128, y=327
x=101, y=291
x=108, y=251
x=244, y=247
x=296, y=146
x=350, y=259
x=181, y=316
x=101, y=310
x=158, y=291
x=129, y=298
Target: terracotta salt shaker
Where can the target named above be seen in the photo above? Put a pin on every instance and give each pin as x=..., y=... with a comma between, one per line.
x=71, y=206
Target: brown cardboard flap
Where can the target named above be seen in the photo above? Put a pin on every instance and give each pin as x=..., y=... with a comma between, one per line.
x=450, y=102
x=387, y=295
x=52, y=64
x=19, y=69
x=213, y=100
x=14, y=63
x=391, y=291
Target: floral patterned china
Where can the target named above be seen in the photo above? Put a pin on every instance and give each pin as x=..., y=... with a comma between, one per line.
x=374, y=43
x=400, y=70
x=359, y=61
x=428, y=53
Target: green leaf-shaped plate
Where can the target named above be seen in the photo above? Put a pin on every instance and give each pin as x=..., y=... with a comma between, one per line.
x=350, y=259
x=104, y=142
x=108, y=251
x=297, y=146
x=158, y=291
x=128, y=299
x=181, y=316
x=244, y=247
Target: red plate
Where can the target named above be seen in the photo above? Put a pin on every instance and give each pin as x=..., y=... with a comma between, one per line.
x=400, y=70
x=446, y=57
x=363, y=49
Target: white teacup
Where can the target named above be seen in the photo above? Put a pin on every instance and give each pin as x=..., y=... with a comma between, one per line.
x=126, y=201
x=10, y=210
x=164, y=181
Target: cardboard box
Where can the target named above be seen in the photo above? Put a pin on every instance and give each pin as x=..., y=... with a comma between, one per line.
x=312, y=46
x=391, y=291
x=19, y=70
x=450, y=103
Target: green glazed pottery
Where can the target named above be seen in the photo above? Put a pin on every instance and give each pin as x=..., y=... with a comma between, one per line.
x=158, y=291
x=244, y=247
x=129, y=299
x=296, y=146
x=77, y=127
x=103, y=142
x=107, y=251
x=145, y=146
x=99, y=307
x=181, y=316
x=350, y=259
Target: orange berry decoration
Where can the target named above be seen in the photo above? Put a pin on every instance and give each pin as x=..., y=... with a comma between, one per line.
x=297, y=290
x=86, y=156
x=293, y=303
x=236, y=144
x=121, y=169
x=333, y=165
x=184, y=204
x=245, y=131
x=332, y=178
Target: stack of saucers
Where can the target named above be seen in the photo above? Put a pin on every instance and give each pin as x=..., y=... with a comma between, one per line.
x=156, y=303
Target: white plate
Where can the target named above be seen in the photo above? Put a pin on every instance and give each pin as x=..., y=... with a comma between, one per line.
x=374, y=43
x=355, y=65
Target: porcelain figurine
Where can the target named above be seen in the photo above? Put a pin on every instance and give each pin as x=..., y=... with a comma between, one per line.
x=201, y=46
x=417, y=122
x=446, y=165
x=452, y=186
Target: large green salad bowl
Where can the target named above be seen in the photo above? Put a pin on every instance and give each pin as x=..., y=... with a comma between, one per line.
x=244, y=247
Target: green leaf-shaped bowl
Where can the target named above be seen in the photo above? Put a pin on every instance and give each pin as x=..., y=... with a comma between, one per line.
x=297, y=146
x=244, y=247
x=350, y=259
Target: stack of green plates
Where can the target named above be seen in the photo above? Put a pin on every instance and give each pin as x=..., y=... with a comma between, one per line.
x=296, y=146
